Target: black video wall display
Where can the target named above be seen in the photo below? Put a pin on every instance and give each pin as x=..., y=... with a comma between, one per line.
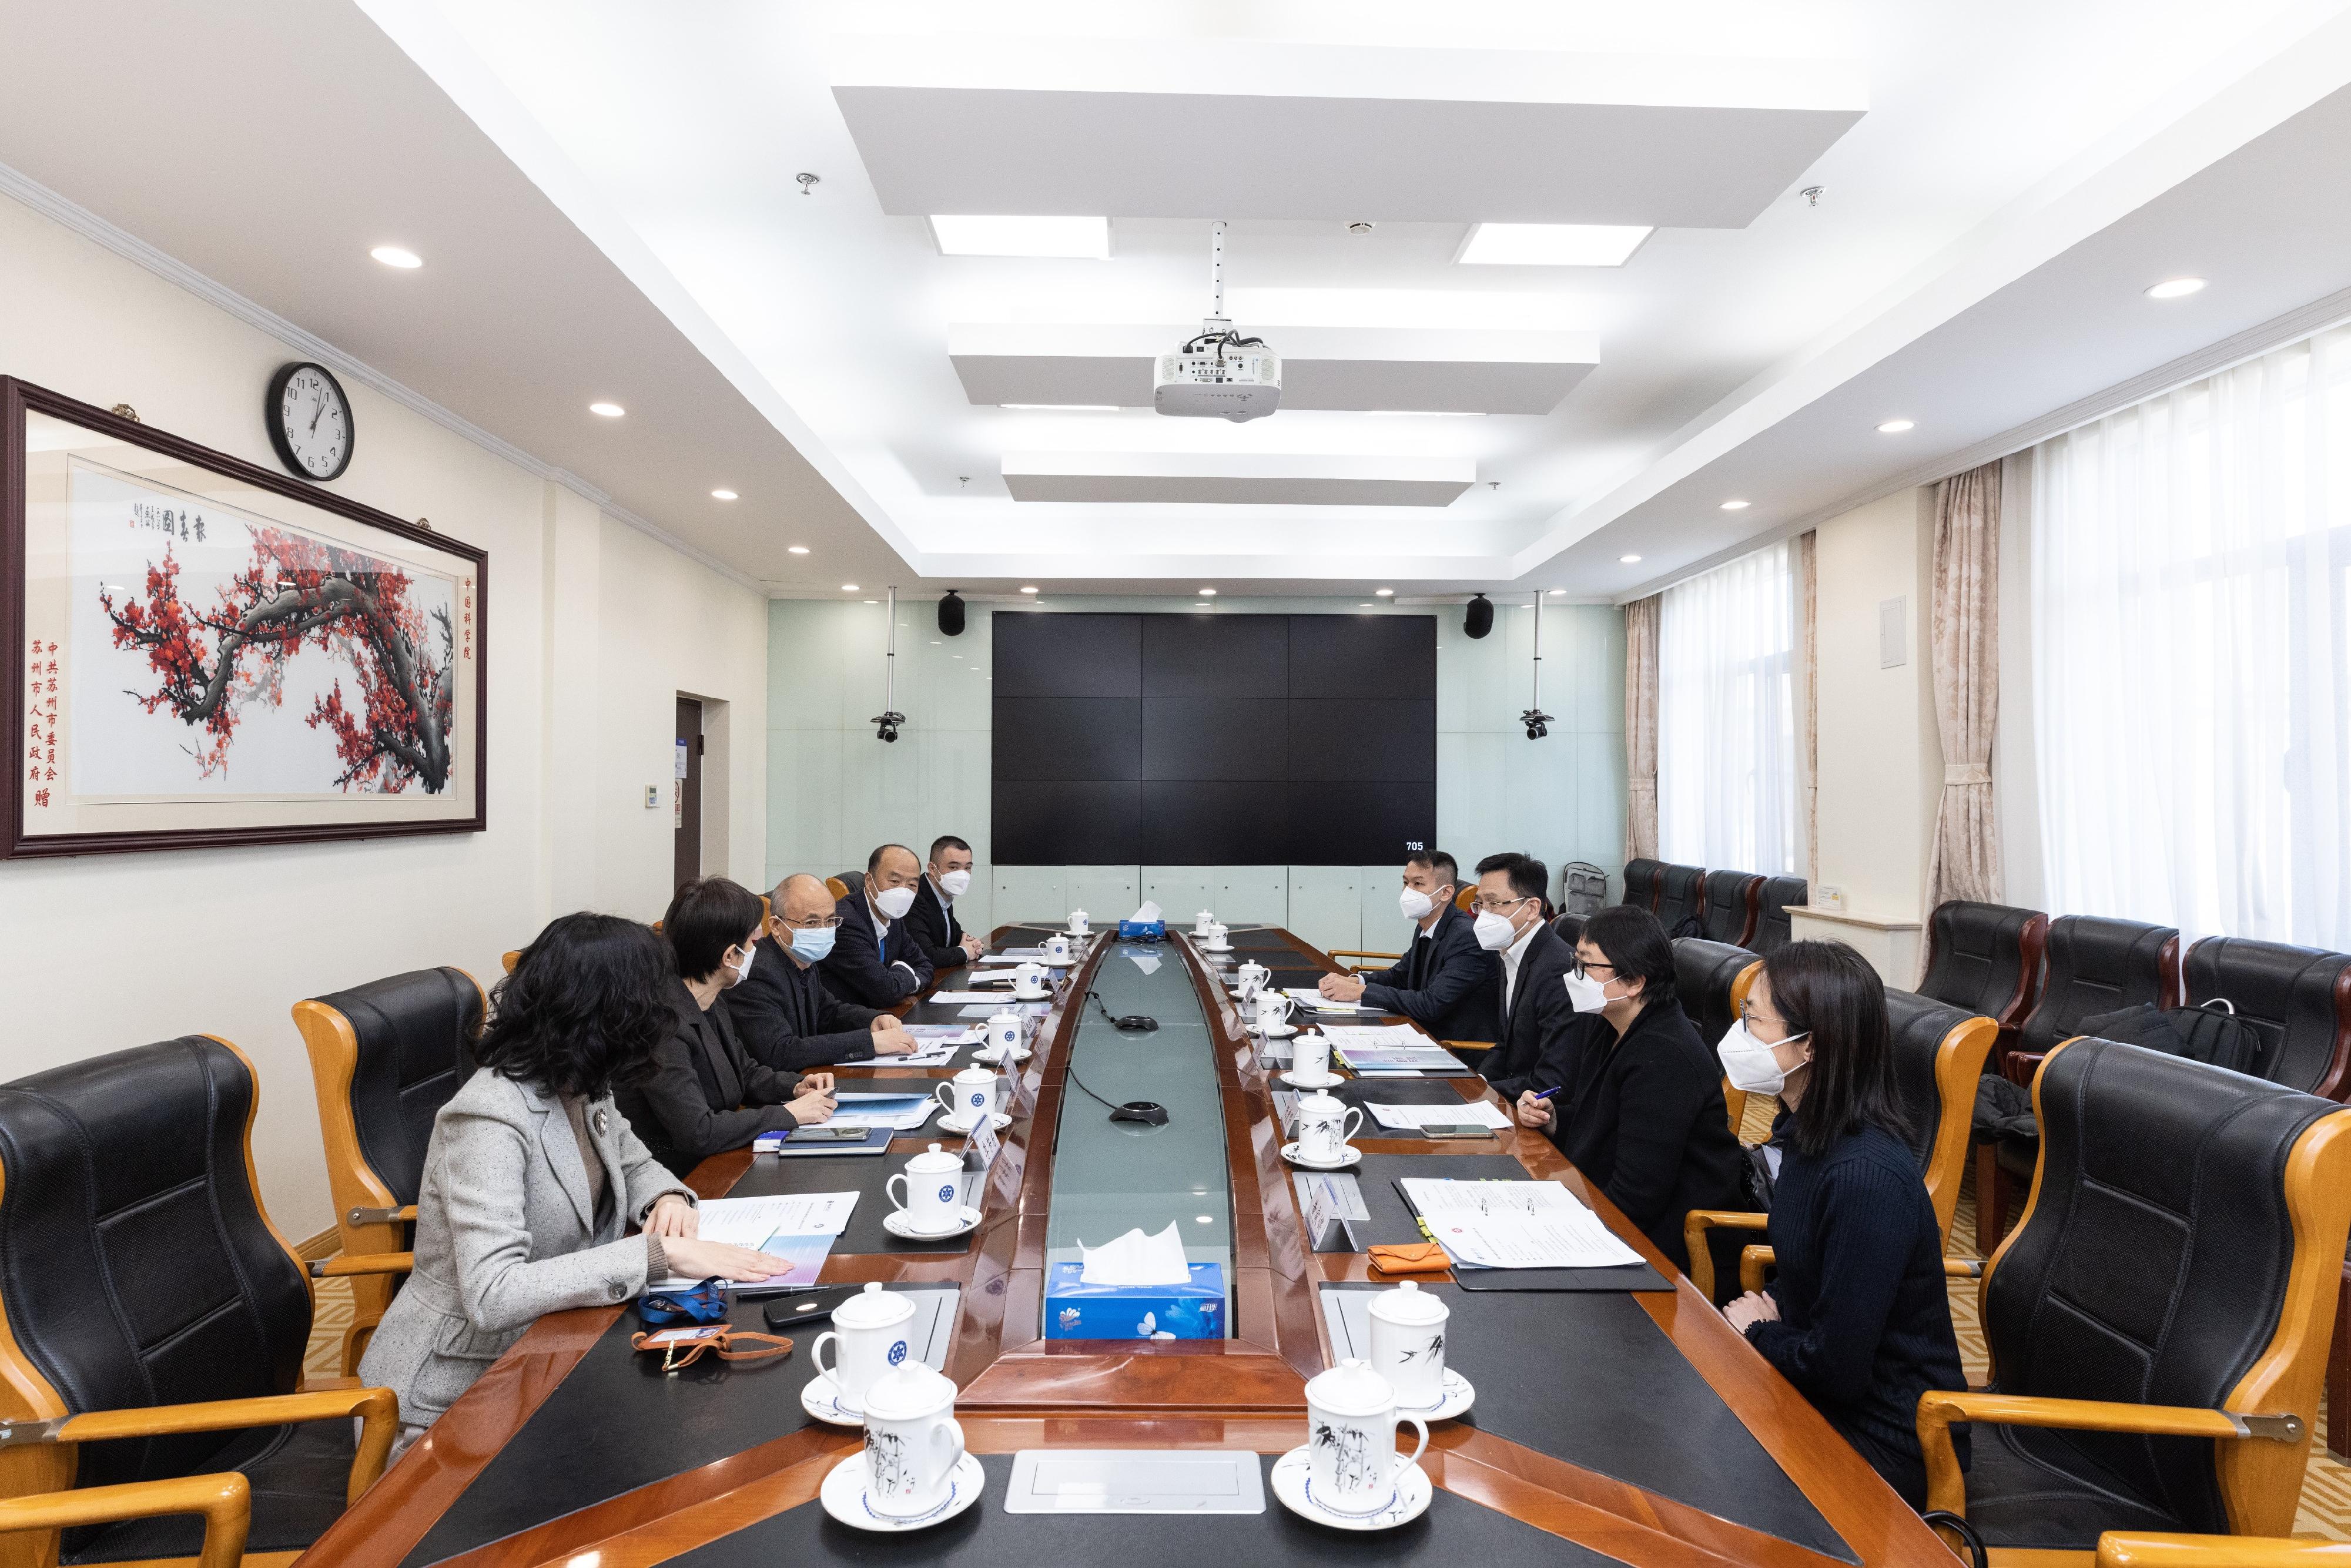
x=1222, y=739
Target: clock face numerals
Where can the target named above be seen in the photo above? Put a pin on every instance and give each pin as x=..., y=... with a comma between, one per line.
x=314, y=423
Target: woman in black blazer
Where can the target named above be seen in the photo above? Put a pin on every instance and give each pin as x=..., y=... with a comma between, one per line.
x=705, y=1093
x=1858, y=1318
x=1644, y=1121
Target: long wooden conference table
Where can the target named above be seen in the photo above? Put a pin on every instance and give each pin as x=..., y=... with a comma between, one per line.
x=1624, y=1426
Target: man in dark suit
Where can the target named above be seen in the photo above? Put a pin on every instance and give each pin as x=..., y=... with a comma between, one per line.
x=1446, y=983
x=786, y=1017
x=947, y=878
x=1541, y=1040
x=875, y=959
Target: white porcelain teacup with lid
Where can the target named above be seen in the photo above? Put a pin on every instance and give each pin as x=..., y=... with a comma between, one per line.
x=870, y=1336
x=1351, y=1425
x=934, y=1201
x=1408, y=1343
x=1325, y=1123
x=912, y=1441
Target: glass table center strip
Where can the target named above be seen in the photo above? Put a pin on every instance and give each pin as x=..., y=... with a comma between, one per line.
x=1109, y=1177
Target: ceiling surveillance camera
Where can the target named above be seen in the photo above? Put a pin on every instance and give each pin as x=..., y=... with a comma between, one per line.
x=1538, y=723
x=885, y=724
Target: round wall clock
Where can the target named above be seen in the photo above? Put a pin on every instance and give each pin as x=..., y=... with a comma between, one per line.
x=310, y=421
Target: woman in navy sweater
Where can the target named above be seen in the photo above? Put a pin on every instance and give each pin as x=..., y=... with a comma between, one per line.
x=1858, y=1318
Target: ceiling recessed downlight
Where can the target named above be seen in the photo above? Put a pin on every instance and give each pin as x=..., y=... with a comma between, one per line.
x=1551, y=245
x=393, y=255
x=1626, y=559
x=609, y=410
x=724, y=495
x=796, y=550
x=1383, y=594
x=1207, y=593
x=1029, y=589
x=2176, y=288
x=848, y=588
x=1557, y=591
x=970, y=234
x=1896, y=426
x=1734, y=505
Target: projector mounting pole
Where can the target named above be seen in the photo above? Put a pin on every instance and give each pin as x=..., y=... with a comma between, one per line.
x=1216, y=267
x=1538, y=722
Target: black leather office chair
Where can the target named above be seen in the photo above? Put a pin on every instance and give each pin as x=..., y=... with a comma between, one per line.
x=1771, y=901
x=2158, y=1321
x=2298, y=1000
x=156, y=1319
x=1706, y=976
x=384, y=1058
x=1938, y=1054
x=1569, y=928
x=851, y=881
x=1985, y=957
x=1681, y=891
x=1728, y=911
x=1641, y=883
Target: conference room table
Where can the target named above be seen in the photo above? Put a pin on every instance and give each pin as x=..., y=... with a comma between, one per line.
x=1626, y=1422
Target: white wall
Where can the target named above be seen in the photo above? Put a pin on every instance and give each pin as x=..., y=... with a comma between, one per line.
x=590, y=630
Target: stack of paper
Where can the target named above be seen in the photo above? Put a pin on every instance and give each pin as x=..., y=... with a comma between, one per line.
x=1308, y=996
x=899, y=1112
x=1514, y=1225
x=1469, y=1113
x=799, y=1228
x=1393, y=1049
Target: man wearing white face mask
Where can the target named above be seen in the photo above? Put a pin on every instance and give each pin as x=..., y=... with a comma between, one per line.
x=787, y=1017
x=1536, y=1047
x=1445, y=982
x=941, y=936
x=706, y=1094
x=875, y=958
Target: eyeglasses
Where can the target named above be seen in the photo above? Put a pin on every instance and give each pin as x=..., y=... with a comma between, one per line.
x=814, y=923
x=1585, y=970
x=1500, y=907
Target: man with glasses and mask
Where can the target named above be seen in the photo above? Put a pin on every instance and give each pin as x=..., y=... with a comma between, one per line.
x=875, y=958
x=1536, y=1049
x=783, y=1012
x=1446, y=983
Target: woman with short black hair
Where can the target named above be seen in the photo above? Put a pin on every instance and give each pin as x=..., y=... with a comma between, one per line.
x=532, y=1175
x=705, y=1093
x=1643, y=1120
x=1858, y=1318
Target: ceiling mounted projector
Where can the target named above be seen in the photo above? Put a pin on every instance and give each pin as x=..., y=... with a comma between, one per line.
x=1218, y=374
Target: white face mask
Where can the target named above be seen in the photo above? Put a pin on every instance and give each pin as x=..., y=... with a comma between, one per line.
x=894, y=904
x=1585, y=993
x=1415, y=903
x=742, y=971
x=1495, y=932
x=955, y=884
x=1749, y=1064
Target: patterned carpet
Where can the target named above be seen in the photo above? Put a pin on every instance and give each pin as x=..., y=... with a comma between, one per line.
x=2324, y=1514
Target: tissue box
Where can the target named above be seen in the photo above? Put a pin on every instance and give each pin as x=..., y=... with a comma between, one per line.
x=1075, y=1310
x=1143, y=930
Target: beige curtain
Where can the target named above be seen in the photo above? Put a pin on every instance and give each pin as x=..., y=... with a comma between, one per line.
x=1808, y=697
x=1641, y=728
x=1965, y=637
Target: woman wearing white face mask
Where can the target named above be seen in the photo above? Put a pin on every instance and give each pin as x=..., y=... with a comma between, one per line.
x=1858, y=1318
x=706, y=1093
x=1643, y=1118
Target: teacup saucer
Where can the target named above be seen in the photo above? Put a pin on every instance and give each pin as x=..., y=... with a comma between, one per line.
x=1297, y=1081
x=1458, y=1397
x=1293, y=1484
x=844, y=1496
x=994, y=1058
x=961, y=1124
x=1020, y=995
x=967, y=1220
x=1354, y=1157
x=1278, y=1030
x=820, y=1397
x=1215, y=946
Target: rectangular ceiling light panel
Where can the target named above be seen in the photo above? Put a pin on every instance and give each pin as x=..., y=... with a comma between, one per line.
x=1086, y=238
x=1137, y=478
x=1551, y=244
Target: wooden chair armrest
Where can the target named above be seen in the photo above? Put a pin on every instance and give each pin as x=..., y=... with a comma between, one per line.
x=1938, y=1408
x=2020, y=1065
x=344, y=1265
x=1962, y=1268
x=2126, y=1549
x=1338, y=953
x=404, y=1214
x=225, y=1500
x=1471, y=1045
x=1696, y=1224
x=1752, y=1261
x=377, y=1408
x=328, y=1385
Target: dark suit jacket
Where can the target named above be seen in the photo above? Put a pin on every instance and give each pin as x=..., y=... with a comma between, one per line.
x=936, y=931
x=1649, y=1124
x=1444, y=983
x=788, y=1020
x=706, y=1095
x=864, y=969
x=1541, y=1044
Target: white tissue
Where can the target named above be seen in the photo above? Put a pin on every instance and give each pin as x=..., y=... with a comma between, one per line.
x=1135, y=1259
x=1147, y=913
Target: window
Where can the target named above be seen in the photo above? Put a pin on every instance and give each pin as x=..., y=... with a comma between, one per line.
x=2191, y=560
x=1726, y=717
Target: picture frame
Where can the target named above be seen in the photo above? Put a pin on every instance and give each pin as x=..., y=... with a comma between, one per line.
x=200, y=651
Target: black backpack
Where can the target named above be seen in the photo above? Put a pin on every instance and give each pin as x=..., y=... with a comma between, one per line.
x=2211, y=1033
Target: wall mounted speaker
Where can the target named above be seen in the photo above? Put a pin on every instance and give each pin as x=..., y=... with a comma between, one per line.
x=951, y=615
x=1481, y=618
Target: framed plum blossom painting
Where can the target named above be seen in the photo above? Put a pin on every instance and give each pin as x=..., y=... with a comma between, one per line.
x=202, y=652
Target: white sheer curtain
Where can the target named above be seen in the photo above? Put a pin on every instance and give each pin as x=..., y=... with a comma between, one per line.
x=1727, y=738
x=2192, y=653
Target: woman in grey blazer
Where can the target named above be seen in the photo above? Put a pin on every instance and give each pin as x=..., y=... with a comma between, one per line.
x=532, y=1175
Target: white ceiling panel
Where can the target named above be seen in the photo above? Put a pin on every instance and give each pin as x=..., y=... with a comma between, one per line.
x=1236, y=129
x=1325, y=368
x=1235, y=478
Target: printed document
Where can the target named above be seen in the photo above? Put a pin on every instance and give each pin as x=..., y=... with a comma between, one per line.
x=1514, y=1225
x=1469, y=1113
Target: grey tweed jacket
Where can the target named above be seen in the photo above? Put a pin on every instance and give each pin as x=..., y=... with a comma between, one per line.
x=505, y=1233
